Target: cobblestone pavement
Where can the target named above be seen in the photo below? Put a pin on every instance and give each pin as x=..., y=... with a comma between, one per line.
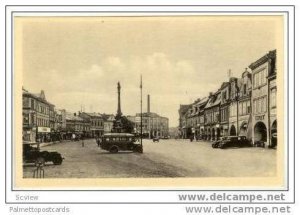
x=167, y=158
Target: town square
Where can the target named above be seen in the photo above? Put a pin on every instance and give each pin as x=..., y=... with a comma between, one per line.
x=128, y=103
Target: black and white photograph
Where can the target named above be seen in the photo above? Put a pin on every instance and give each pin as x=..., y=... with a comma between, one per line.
x=149, y=109
x=150, y=97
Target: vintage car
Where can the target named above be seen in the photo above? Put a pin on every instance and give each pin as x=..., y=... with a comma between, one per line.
x=155, y=139
x=32, y=154
x=216, y=144
x=115, y=142
x=234, y=141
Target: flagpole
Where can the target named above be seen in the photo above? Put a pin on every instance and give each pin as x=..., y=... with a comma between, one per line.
x=141, y=86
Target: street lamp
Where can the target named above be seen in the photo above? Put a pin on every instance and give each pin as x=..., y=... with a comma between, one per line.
x=237, y=95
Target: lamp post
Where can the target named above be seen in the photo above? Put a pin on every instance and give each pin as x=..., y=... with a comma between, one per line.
x=237, y=95
x=141, y=86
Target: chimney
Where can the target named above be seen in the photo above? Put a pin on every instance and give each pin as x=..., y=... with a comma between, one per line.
x=148, y=103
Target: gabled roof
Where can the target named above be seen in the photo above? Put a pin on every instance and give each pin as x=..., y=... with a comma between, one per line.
x=214, y=100
x=71, y=116
x=38, y=96
x=184, y=108
x=93, y=114
x=224, y=84
x=263, y=59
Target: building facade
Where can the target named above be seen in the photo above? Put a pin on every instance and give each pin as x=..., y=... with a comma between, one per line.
x=108, y=121
x=77, y=125
x=96, y=123
x=244, y=105
x=38, y=117
x=212, y=117
x=224, y=108
x=233, y=107
x=183, y=109
x=264, y=99
x=153, y=124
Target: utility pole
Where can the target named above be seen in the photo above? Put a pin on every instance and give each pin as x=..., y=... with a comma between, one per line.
x=141, y=86
x=237, y=108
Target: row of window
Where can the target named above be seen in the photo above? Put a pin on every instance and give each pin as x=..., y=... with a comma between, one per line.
x=97, y=123
x=244, y=108
x=34, y=105
x=260, y=105
x=224, y=114
x=79, y=127
x=43, y=122
x=212, y=117
x=117, y=139
x=273, y=98
x=260, y=78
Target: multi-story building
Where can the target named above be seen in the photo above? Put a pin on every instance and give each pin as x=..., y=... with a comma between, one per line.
x=153, y=124
x=108, y=120
x=212, y=116
x=264, y=99
x=233, y=107
x=273, y=106
x=183, y=130
x=51, y=118
x=60, y=123
x=37, y=117
x=57, y=120
x=201, y=105
x=192, y=119
x=244, y=105
x=196, y=117
x=224, y=108
x=77, y=125
x=96, y=123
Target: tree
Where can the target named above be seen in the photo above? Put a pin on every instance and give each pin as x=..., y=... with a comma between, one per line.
x=123, y=125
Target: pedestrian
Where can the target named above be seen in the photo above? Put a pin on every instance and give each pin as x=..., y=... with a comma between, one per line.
x=191, y=138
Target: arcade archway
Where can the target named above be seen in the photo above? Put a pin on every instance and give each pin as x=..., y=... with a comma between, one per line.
x=274, y=134
x=232, y=131
x=260, y=132
x=243, y=129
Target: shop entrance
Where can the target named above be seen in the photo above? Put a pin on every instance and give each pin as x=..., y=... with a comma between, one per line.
x=232, y=131
x=260, y=132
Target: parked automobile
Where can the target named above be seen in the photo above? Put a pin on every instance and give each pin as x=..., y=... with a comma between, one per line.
x=33, y=154
x=234, y=141
x=115, y=142
x=216, y=144
x=155, y=139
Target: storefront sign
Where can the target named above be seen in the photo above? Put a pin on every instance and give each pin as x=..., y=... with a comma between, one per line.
x=260, y=117
x=43, y=129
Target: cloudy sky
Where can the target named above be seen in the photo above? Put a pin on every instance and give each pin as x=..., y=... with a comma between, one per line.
x=78, y=61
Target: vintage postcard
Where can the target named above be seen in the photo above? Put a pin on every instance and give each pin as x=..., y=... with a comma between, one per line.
x=149, y=101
